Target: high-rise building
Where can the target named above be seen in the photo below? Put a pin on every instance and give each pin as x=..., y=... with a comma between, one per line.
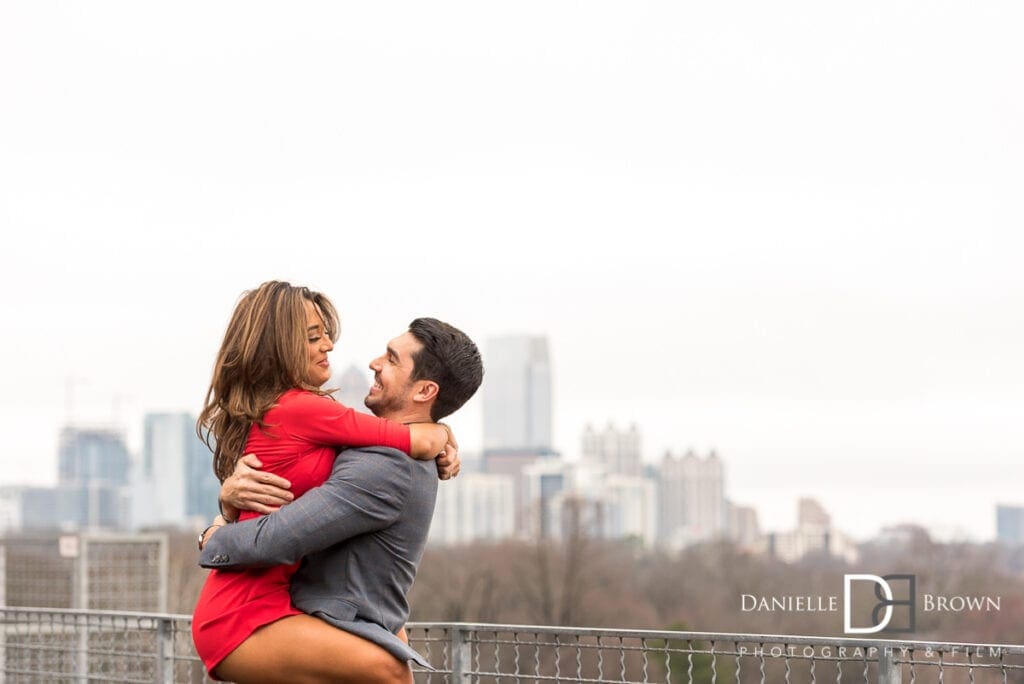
x=517, y=415
x=85, y=506
x=617, y=451
x=350, y=387
x=514, y=464
x=175, y=484
x=814, y=534
x=95, y=456
x=10, y=509
x=93, y=467
x=743, y=527
x=631, y=508
x=691, y=496
x=811, y=514
x=472, y=507
x=517, y=394
x=546, y=483
x=1010, y=525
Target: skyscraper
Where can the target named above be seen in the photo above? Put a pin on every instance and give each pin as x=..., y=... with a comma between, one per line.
x=175, y=481
x=1010, y=525
x=617, y=451
x=472, y=507
x=691, y=496
x=814, y=534
x=547, y=482
x=92, y=475
x=743, y=526
x=92, y=468
x=95, y=456
x=517, y=394
x=631, y=508
x=517, y=414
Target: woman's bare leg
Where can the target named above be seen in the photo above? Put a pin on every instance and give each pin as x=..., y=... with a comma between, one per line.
x=301, y=649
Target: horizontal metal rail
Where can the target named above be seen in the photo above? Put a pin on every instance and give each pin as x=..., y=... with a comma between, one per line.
x=55, y=645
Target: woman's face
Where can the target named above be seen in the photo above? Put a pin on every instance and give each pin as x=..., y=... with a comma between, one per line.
x=320, y=343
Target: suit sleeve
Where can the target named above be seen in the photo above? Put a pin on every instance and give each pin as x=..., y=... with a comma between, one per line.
x=321, y=420
x=363, y=494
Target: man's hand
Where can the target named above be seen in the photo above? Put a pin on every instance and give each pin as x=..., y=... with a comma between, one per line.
x=251, y=489
x=448, y=462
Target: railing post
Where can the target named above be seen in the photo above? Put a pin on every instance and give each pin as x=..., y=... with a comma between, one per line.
x=3, y=602
x=82, y=601
x=165, y=650
x=461, y=656
x=889, y=671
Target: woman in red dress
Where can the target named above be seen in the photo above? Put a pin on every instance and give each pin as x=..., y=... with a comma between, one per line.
x=264, y=399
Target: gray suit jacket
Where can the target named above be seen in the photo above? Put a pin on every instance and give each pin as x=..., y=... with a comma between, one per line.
x=360, y=535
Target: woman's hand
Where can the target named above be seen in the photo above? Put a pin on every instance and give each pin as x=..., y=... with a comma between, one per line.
x=436, y=441
x=427, y=440
x=448, y=463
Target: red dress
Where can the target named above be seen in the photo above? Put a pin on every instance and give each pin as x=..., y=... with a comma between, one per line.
x=303, y=433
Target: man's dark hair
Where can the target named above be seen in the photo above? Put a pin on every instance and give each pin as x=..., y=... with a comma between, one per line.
x=450, y=359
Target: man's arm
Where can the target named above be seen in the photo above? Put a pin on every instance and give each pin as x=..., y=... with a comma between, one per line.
x=365, y=492
x=249, y=488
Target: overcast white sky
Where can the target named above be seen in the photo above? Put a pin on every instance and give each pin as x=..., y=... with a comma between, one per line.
x=789, y=231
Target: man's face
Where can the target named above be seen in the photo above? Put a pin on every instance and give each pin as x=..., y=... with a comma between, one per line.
x=393, y=388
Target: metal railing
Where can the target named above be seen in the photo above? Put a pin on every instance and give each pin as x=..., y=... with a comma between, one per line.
x=52, y=645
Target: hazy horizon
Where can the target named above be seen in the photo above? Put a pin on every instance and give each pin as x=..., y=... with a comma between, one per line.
x=790, y=233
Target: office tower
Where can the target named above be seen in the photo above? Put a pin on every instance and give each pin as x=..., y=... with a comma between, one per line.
x=92, y=456
x=814, y=524
x=517, y=414
x=630, y=508
x=812, y=514
x=517, y=394
x=617, y=451
x=10, y=509
x=546, y=483
x=743, y=527
x=175, y=485
x=92, y=472
x=474, y=507
x=691, y=495
x=202, y=488
x=350, y=387
x=85, y=506
x=814, y=534
x=1010, y=525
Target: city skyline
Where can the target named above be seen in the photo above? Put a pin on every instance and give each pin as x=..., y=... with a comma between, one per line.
x=791, y=234
x=610, y=450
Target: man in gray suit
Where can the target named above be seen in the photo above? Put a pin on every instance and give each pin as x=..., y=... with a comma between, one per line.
x=362, y=533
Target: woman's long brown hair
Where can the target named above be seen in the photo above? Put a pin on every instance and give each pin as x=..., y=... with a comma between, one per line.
x=264, y=354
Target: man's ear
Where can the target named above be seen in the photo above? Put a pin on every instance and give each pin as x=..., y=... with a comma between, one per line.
x=426, y=390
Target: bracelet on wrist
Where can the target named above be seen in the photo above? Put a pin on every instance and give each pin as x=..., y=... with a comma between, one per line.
x=202, y=535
